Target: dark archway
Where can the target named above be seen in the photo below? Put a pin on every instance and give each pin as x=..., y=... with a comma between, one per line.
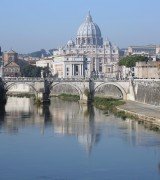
x=113, y=90
x=65, y=88
x=7, y=87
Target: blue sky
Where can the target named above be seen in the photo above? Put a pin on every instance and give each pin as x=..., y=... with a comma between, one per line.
x=29, y=25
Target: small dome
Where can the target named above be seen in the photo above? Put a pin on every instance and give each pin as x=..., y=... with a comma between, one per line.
x=70, y=43
x=107, y=43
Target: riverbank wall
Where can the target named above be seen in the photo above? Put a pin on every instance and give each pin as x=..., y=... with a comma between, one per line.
x=147, y=91
x=141, y=112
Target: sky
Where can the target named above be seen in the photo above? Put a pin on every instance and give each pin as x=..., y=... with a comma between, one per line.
x=30, y=25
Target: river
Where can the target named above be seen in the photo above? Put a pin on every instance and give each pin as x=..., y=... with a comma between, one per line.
x=67, y=140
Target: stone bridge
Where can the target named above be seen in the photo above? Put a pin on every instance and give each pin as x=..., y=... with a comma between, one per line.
x=141, y=90
x=102, y=88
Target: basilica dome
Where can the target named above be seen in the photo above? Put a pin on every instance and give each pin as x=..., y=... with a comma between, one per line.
x=89, y=33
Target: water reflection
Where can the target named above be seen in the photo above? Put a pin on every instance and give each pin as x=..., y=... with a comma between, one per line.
x=71, y=141
x=2, y=115
x=85, y=123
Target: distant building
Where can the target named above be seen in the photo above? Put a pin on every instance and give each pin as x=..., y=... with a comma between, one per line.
x=72, y=66
x=147, y=50
x=11, y=68
x=45, y=62
x=125, y=72
x=150, y=69
x=103, y=56
x=10, y=56
x=32, y=62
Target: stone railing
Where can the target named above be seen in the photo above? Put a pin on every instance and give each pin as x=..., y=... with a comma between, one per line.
x=38, y=79
x=21, y=79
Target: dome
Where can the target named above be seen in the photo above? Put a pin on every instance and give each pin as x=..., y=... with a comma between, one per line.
x=89, y=33
x=89, y=28
x=70, y=43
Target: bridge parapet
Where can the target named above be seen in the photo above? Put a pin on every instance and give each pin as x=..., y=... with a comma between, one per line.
x=22, y=79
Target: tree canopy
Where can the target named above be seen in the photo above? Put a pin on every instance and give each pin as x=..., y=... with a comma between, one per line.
x=130, y=61
x=31, y=71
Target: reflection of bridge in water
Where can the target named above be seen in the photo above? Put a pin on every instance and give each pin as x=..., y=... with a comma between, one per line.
x=71, y=119
x=103, y=88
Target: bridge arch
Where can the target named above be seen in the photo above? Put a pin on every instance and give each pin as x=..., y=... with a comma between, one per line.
x=113, y=87
x=12, y=84
x=71, y=88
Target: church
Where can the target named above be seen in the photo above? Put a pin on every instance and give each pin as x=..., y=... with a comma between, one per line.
x=88, y=55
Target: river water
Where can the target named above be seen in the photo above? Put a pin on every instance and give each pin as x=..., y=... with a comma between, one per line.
x=67, y=140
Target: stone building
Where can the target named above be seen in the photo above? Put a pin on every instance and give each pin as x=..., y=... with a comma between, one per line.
x=10, y=56
x=72, y=66
x=103, y=55
x=10, y=64
x=147, y=70
x=12, y=70
x=45, y=62
x=152, y=51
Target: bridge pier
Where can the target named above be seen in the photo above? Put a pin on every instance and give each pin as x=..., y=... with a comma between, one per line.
x=43, y=94
x=40, y=95
x=43, y=97
x=83, y=99
x=131, y=94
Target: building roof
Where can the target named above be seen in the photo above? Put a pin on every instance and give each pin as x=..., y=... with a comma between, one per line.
x=12, y=64
x=11, y=52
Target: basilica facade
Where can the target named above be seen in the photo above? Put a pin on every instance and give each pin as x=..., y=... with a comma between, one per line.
x=89, y=55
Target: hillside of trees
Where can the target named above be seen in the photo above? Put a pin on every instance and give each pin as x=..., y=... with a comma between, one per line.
x=39, y=53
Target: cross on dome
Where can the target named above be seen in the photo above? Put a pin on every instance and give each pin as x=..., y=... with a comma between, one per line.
x=89, y=17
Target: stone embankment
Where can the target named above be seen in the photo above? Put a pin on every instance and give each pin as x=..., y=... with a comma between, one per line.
x=144, y=112
x=147, y=91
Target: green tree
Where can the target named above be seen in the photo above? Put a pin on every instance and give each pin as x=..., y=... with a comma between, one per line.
x=31, y=71
x=130, y=61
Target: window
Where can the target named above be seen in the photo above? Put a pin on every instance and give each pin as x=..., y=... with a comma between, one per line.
x=76, y=68
x=100, y=68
